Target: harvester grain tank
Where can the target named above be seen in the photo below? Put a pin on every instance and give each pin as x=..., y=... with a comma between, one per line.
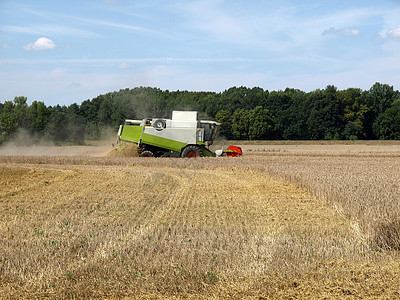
x=181, y=136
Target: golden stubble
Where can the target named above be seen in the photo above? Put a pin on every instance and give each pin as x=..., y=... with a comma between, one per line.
x=249, y=227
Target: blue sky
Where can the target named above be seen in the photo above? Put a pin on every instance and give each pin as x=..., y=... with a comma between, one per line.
x=62, y=52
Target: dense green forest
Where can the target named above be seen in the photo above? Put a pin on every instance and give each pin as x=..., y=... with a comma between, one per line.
x=246, y=113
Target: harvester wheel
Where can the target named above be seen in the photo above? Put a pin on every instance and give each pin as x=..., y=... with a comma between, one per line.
x=192, y=151
x=159, y=124
x=147, y=153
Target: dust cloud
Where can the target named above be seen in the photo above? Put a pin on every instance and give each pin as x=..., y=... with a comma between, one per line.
x=24, y=144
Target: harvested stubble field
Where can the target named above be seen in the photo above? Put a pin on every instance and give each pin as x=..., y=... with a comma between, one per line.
x=270, y=224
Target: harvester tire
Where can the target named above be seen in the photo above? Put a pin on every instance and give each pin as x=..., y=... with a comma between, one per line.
x=147, y=153
x=192, y=152
x=159, y=124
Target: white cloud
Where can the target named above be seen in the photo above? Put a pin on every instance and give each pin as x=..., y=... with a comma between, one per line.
x=350, y=31
x=345, y=31
x=394, y=33
x=123, y=66
x=42, y=43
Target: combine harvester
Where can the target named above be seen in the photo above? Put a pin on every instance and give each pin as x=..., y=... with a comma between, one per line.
x=182, y=136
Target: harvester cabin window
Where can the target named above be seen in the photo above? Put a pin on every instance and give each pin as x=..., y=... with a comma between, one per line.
x=207, y=131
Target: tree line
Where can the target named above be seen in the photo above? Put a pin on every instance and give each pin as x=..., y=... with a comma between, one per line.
x=246, y=113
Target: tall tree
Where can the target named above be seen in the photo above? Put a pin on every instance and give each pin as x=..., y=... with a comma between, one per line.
x=291, y=111
x=387, y=126
x=8, y=121
x=21, y=110
x=355, y=109
x=225, y=117
x=326, y=117
x=257, y=123
x=379, y=98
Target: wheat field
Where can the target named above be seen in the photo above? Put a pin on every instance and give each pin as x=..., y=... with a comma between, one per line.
x=270, y=224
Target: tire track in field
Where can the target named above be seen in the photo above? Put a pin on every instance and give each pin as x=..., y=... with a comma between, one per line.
x=179, y=199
